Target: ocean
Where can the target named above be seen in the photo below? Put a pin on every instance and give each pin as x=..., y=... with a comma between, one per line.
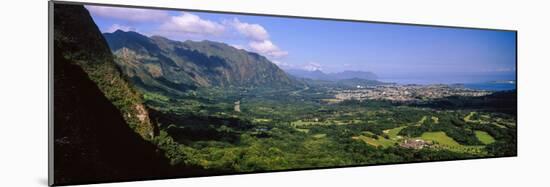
x=491, y=86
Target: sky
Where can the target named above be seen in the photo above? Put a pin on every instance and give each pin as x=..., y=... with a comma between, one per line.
x=401, y=53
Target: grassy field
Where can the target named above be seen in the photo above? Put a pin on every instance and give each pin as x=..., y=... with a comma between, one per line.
x=392, y=133
x=450, y=144
x=380, y=141
x=319, y=135
x=440, y=137
x=424, y=118
x=498, y=125
x=261, y=120
x=302, y=123
x=483, y=120
x=484, y=137
x=277, y=131
x=469, y=116
x=302, y=130
x=307, y=123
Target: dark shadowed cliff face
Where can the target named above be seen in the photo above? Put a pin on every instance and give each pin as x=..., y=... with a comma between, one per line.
x=93, y=142
x=80, y=41
x=161, y=64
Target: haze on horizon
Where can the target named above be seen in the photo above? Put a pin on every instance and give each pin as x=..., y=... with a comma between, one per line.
x=395, y=52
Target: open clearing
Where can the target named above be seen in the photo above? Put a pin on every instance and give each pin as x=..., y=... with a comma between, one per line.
x=439, y=137
x=484, y=137
x=326, y=122
x=392, y=133
x=478, y=119
x=449, y=143
x=435, y=119
x=261, y=120
x=469, y=116
x=380, y=141
x=424, y=118
x=485, y=120
x=319, y=135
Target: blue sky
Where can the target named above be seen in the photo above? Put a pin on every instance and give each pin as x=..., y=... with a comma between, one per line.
x=394, y=52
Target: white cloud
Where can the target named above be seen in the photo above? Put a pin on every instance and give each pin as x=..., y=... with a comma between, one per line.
x=128, y=14
x=258, y=38
x=312, y=66
x=252, y=31
x=190, y=26
x=116, y=27
x=187, y=23
x=267, y=48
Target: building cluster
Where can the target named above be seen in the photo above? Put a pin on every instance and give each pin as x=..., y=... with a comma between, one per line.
x=405, y=93
x=414, y=143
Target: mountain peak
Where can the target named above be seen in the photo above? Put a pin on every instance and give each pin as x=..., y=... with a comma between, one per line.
x=118, y=31
x=172, y=66
x=349, y=74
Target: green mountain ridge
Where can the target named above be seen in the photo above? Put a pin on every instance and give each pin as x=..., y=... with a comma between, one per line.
x=160, y=64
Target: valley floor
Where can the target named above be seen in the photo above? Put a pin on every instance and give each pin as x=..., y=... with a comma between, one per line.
x=290, y=129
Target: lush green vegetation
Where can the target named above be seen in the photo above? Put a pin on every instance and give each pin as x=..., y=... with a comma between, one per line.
x=484, y=137
x=211, y=111
x=224, y=109
x=288, y=129
x=440, y=137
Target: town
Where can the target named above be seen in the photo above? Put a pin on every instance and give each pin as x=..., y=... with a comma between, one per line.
x=404, y=93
